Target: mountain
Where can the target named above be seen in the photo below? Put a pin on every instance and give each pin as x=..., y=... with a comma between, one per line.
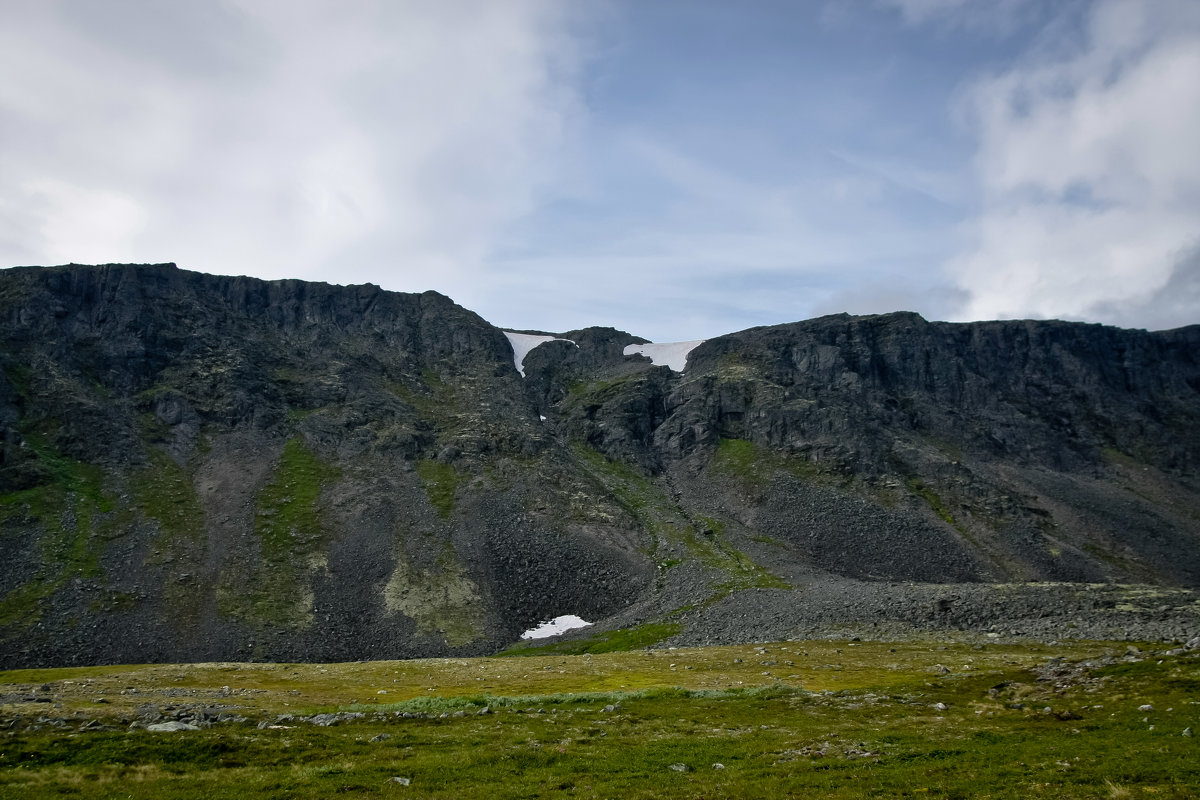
x=200, y=468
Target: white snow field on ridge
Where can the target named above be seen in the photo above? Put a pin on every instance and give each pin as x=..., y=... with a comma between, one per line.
x=667, y=354
x=522, y=343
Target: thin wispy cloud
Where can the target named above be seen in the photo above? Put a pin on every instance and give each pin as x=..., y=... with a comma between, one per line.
x=993, y=17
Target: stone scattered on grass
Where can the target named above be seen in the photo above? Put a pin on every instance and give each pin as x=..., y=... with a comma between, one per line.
x=171, y=727
x=325, y=720
x=681, y=768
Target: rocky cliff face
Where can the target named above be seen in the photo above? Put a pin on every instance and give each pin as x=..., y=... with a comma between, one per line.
x=197, y=467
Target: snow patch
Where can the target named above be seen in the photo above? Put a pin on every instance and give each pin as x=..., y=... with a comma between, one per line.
x=567, y=622
x=667, y=354
x=522, y=343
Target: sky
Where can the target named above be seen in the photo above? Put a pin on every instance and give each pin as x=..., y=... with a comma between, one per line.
x=677, y=169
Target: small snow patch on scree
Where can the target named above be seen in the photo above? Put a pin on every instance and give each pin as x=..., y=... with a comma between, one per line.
x=667, y=354
x=567, y=622
x=522, y=343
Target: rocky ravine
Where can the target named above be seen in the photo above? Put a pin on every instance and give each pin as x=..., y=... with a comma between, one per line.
x=208, y=468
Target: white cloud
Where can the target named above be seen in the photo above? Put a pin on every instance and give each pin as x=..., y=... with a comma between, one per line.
x=1172, y=306
x=282, y=139
x=1088, y=171
x=77, y=220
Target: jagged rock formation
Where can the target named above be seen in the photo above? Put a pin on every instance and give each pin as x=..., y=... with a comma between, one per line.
x=198, y=467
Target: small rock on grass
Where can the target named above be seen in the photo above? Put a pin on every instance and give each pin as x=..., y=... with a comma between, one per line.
x=1146, y=707
x=399, y=780
x=171, y=727
x=681, y=768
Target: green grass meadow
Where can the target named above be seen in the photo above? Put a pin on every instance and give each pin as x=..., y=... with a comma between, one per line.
x=805, y=719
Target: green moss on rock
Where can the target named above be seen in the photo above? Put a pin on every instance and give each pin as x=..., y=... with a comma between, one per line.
x=288, y=517
x=673, y=531
x=68, y=514
x=165, y=493
x=276, y=589
x=443, y=601
x=441, y=483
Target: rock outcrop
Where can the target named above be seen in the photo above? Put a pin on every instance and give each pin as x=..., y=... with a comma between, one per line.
x=197, y=467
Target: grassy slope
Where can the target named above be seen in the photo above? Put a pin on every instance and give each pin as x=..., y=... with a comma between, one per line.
x=672, y=532
x=68, y=508
x=840, y=720
x=276, y=589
